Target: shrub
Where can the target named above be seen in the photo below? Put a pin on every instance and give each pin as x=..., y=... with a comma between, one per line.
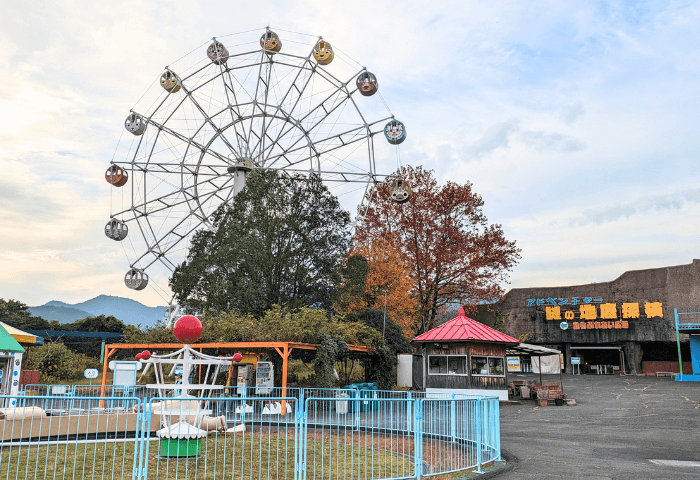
x=58, y=364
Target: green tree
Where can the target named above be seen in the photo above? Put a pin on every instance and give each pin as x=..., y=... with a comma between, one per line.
x=100, y=323
x=354, y=280
x=280, y=243
x=393, y=335
x=13, y=308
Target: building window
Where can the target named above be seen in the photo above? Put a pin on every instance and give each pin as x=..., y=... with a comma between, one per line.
x=447, y=365
x=487, y=366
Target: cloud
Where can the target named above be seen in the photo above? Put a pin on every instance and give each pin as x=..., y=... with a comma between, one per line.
x=611, y=213
x=497, y=136
x=551, y=142
x=573, y=112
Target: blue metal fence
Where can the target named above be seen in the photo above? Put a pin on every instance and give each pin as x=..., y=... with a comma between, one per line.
x=308, y=434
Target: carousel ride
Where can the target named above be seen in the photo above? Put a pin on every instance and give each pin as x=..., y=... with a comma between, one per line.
x=240, y=106
x=182, y=417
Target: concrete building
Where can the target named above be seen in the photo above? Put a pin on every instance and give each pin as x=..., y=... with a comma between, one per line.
x=626, y=324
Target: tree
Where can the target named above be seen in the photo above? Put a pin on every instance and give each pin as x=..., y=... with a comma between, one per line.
x=351, y=294
x=393, y=335
x=13, y=308
x=389, y=280
x=443, y=234
x=280, y=243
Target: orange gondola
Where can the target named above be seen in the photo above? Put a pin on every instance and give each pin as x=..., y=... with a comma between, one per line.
x=116, y=175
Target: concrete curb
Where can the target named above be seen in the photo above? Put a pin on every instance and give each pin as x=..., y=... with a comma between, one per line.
x=510, y=462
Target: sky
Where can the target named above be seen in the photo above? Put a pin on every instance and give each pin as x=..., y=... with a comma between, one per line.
x=576, y=121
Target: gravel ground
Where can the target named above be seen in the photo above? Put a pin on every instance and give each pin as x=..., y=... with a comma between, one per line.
x=620, y=428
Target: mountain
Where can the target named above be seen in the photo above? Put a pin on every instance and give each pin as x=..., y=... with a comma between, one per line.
x=128, y=311
x=60, y=313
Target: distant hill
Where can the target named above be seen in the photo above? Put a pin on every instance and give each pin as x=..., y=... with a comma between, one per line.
x=128, y=311
x=60, y=313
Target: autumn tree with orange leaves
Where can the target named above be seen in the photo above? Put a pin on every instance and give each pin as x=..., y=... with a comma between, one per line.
x=375, y=275
x=442, y=234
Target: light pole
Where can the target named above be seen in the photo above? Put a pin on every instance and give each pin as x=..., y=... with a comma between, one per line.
x=384, y=327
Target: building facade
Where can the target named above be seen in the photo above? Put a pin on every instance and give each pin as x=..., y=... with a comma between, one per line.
x=626, y=324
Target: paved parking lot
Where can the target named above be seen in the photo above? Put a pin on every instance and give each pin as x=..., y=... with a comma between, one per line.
x=621, y=428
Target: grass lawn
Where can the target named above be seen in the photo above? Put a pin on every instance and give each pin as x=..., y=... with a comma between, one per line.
x=259, y=455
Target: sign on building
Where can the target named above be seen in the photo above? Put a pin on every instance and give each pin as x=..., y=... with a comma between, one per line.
x=513, y=364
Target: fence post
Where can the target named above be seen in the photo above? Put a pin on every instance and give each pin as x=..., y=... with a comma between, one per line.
x=479, y=439
x=497, y=431
x=357, y=404
x=453, y=418
x=409, y=413
x=418, y=436
x=299, y=436
x=141, y=439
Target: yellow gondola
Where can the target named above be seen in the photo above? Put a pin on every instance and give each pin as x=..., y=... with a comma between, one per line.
x=323, y=52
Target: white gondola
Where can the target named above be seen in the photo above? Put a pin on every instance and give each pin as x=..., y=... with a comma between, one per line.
x=136, y=279
x=135, y=124
x=217, y=53
x=116, y=230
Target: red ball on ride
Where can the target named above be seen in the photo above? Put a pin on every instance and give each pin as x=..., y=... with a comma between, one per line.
x=237, y=357
x=139, y=357
x=145, y=355
x=188, y=329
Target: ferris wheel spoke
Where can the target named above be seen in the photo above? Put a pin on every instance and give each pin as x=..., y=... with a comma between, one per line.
x=351, y=135
x=350, y=139
x=318, y=108
x=293, y=85
x=265, y=123
x=234, y=109
x=190, y=141
x=336, y=176
x=264, y=60
x=209, y=120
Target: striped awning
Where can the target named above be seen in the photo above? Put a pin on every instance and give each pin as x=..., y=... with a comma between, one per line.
x=7, y=342
x=22, y=337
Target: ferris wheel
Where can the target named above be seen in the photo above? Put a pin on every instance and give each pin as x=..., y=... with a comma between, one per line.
x=242, y=104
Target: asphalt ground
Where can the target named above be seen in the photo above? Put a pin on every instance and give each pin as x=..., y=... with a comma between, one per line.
x=622, y=427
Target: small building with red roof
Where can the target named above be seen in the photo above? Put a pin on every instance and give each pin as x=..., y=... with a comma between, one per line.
x=462, y=356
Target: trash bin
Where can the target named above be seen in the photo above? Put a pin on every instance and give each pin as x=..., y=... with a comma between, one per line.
x=353, y=392
x=373, y=392
x=341, y=406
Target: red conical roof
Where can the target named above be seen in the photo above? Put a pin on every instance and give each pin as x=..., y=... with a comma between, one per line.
x=463, y=328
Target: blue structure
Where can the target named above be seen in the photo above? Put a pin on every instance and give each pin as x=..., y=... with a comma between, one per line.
x=693, y=329
x=104, y=336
